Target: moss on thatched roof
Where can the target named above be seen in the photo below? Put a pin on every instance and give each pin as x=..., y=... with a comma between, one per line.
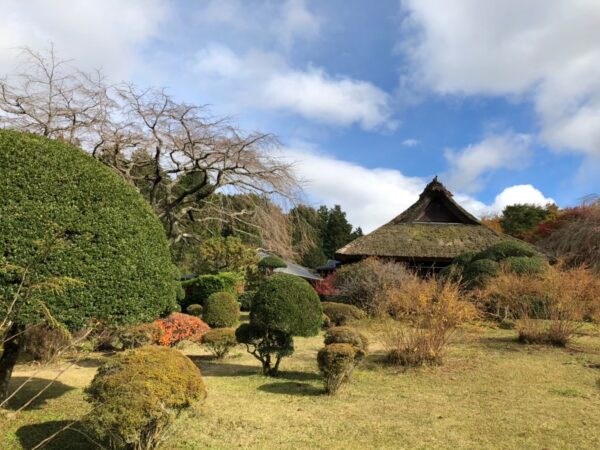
x=434, y=228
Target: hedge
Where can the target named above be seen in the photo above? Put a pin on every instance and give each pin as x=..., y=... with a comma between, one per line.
x=198, y=289
x=113, y=242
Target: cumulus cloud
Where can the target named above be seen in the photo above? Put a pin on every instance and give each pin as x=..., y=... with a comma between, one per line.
x=543, y=50
x=264, y=80
x=505, y=151
x=104, y=35
x=372, y=197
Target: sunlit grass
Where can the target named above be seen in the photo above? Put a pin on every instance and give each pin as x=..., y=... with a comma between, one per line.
x=491, y=392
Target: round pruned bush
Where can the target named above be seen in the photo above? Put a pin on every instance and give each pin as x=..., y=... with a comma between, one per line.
x=341, y=314
x=288, y=304
x=138, y=394
x=198, y=289
x=113, y=242
x=220, y=341
x=336, y=362
x=194, y=310
x=221, y=310
x=245, y=300
x=178, y=327
x=272, y=262
x=476, y=273
x=525, y=265
x=347, y=335
x=506, y=249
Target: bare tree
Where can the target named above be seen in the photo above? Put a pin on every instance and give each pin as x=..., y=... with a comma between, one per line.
x=176, y=154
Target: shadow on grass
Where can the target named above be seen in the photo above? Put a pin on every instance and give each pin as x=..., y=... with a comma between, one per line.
x=291, y=388
x=90, y=362
x=33, y=387
x=31, y=435
x=212, y=367
x=503, y=343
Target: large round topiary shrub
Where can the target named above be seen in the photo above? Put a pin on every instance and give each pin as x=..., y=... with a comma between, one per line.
x=221, y=310
x=111, y=240
x=138, y=394
x=288, y=304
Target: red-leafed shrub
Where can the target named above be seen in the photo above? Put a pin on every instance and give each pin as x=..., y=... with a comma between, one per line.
x=180, y=327
x=325, y=287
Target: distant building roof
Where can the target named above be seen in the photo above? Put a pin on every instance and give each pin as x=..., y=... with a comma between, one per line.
x=331, y=264
x=293, y=268
x=435, y=228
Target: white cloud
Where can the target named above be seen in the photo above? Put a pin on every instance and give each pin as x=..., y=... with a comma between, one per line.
x=410, y=142
x=263, y=80
x=504, y=151
x=545, y=50
x=282, y=23
x=518, y=194
x=372, y=197
x=104, y=35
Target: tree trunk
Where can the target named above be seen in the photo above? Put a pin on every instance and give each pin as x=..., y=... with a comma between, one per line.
x=12, y=348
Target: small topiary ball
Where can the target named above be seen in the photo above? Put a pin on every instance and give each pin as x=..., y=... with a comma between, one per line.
x=137, y=394
x=347, y=335
x=336, y=362
x=194, y=310
x=341, y=313
x=272, y=262
x=220, y=341
x=221, y=310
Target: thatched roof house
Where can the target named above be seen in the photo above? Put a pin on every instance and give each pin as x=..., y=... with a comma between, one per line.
x=427, y=235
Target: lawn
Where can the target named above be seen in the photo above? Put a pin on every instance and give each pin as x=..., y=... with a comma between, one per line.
x=492, y=392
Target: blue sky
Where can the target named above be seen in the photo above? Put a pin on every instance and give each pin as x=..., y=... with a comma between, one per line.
x=501, y=98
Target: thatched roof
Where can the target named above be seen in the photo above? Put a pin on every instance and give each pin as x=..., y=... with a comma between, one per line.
x=435, y=228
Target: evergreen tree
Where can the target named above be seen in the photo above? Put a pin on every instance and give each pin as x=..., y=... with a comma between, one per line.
x=338, y=231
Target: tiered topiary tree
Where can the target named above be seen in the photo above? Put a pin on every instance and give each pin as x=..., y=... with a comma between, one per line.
x=284, y=306
x=111, y=243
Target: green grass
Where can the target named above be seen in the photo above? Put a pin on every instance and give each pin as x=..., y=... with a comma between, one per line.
x=491, y=393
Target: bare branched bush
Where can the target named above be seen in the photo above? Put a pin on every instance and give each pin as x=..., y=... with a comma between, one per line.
x=366, y=284
x=177, y=154
x=431, y=311
x=549, y=308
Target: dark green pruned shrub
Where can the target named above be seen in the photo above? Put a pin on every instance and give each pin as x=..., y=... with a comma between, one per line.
x=44, y=342
x=506, y=249
x=221, y=310
x=198, y=289
x=464, y=259
x=113, y=243
x=284, y=306
x=220, y=341
x=245, y=300
x=194, y=310
x=271, y=263
x=476, y=273
x=336, y=362
x=341, y=314
x=524, y=265
x=138, y=394
x=288, y=304
x=347, y=335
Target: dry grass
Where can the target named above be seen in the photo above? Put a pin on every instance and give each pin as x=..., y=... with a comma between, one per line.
x=491, y=393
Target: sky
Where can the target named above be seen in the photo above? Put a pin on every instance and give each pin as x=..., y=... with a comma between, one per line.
x=371, y=99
